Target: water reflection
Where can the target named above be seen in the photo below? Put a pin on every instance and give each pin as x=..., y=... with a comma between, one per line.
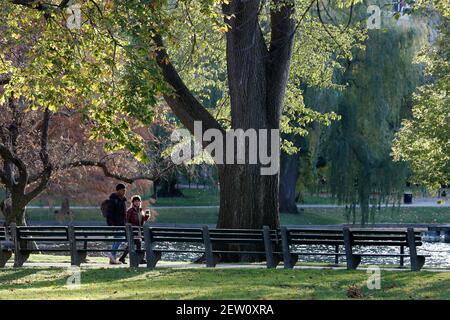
x=439, y=253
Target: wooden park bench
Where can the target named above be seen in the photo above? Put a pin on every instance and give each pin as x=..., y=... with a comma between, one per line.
x=256, y=242
x=69, y=238
x=82, y=238
x=25, y=237
x=154, y=237
x=274, y=245
x=263, y=240
x=329, y=243
x=326, y=242
x=354, y=239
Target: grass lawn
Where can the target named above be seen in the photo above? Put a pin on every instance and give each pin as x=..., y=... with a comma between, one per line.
x=210, y=197
x=308, y=216
x=192, y=197
x=199, y=197
x=167, y=283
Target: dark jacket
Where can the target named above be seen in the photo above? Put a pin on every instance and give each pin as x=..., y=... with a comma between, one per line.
x=117, y=210
x=136, y=218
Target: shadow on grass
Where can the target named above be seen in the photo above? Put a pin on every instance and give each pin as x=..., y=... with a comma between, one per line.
x=22, y=278
x=169, y=283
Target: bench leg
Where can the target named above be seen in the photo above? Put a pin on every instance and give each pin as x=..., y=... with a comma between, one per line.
x=78, y=258
x=134, y=258
x=277, y=259
x=291, y=261
x=20, y=257
x=153, y=258
x=420, y=261
x=353, y=261
x=5, y=255
x=140, y=255
x=402, y=259
x=336, y=257
x=82, y=256
x=417, y=262
x=211, y=260
x=271, y=263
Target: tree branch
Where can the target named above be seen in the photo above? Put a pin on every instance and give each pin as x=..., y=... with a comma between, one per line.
x=7, y=155
x=280, y=49
x=44, y=140
x=108, y=173
x=46, y=174
x=33, y=4
x=183, y=103
x=45, y=178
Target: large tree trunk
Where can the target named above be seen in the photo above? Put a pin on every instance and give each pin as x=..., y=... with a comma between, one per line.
x=13, y=206
x=257, y=79
x=247, y=198
x=289, y=171
x=13, y=210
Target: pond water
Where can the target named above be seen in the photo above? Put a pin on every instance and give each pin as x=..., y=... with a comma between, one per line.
x=439, y=253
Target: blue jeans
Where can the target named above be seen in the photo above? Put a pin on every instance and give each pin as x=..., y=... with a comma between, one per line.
x=115, y=246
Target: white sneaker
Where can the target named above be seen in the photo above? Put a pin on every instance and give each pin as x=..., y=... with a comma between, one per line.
x=113, y=260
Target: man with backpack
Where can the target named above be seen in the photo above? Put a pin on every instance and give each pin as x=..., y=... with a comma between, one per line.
x=114, y=210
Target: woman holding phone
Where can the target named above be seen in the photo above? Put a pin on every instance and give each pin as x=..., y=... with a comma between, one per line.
x=136, y=217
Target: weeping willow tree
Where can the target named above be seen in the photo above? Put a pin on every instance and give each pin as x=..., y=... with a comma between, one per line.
x=380, y=83
x=352, y=157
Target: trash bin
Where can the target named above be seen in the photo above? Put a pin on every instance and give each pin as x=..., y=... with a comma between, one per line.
x=407, y=198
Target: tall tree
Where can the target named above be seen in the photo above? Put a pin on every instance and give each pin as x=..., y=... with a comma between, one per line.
x=381, y=81
x=38, y=149
x=136, y=46
x=424, y=140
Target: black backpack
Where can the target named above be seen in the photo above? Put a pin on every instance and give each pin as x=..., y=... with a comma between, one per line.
x=105, y=208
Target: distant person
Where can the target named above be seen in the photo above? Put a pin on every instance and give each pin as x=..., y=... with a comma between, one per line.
x=116, y=216
x=136, y=217
x=64, y=211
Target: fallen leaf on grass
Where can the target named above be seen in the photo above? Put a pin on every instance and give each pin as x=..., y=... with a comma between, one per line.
x=354, y=292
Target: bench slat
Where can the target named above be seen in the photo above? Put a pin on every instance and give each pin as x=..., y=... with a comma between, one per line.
x=176, y=234
x=318, y=253
x=178, y=251
x=239, y=252
x=381, y=244
x=172, y=239
x=315, y=236
x=237, y=240
x=99, y=239
x=57, y=239
x=98, y=233
x=324, y=242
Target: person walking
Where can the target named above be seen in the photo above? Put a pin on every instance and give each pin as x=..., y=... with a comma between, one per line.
x=116, y=216
x=136, y=217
